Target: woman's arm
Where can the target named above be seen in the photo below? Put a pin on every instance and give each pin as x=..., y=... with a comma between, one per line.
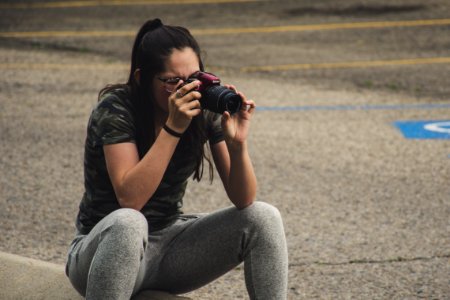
x=134, y=180
x=231, y=157
x=236, y=171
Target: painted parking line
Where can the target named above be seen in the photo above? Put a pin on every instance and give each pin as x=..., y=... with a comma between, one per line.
x=237, y=30
x=74, y=4
x=322, y=27
x=54, y=66
x=348, y=64
x=65, y=34
x=334, y=65
x=363, y=107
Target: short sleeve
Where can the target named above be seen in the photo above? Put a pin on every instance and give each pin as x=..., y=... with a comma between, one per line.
x=214, y=127
x=111, y=122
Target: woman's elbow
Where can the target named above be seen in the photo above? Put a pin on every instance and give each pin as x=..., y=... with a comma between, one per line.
x=244, y=202
x=128, y=202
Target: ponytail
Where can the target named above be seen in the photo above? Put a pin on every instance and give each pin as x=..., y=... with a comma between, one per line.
x=148, y=26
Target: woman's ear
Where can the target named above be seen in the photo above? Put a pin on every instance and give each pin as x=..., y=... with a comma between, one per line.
x=137, y=76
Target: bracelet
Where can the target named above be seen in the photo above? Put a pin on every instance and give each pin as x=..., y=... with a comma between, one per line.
x=172, y=132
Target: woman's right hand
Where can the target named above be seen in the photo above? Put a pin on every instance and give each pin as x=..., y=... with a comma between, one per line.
x=184, y=104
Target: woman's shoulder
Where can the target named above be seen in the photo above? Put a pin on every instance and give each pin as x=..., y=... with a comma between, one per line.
x=115, y=95
x=115, y=100
x=113, y=104
x=112, y=119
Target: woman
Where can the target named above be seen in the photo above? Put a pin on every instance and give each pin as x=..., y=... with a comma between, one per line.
x=144, y=139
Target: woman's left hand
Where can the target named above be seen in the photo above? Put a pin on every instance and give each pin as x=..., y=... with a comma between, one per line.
x=236, y=127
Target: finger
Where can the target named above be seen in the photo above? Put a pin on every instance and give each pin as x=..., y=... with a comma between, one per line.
x=177, y=93
x=231, y=87
x=191, y=105
x=193, y=112
x=243, y=97
x=189, y=97
x=185, y=89
x=251, y=106
x=244, y=101
x=225, y=117
x=250, y=103
x=248, y=106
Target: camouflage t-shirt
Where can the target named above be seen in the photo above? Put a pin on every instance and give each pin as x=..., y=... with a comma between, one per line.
x=112, y=122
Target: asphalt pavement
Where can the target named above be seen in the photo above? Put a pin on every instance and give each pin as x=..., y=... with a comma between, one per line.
x=350, y=140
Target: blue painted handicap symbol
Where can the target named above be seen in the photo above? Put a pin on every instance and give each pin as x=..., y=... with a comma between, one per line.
x=424, y=129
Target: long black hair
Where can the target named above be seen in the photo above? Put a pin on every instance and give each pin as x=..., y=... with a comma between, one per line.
x=153, y=45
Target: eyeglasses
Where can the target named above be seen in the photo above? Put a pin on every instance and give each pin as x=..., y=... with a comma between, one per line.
x=170, y=84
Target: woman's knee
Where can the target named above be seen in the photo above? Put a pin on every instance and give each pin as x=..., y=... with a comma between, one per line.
x=121, y=236
x=265, y=228
x=264, y=214
x=263, y=209
x=127, y=221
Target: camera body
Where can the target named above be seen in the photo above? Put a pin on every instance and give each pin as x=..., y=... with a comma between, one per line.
x=215, y=97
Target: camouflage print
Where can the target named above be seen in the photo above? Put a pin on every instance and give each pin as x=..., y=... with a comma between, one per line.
x=112, y=122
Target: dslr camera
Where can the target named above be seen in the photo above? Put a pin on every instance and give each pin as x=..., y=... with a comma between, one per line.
x=215, y=97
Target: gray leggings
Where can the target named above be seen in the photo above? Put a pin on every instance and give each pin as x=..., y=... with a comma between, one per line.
x=119, y=257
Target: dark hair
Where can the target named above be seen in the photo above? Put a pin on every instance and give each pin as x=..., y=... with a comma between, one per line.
x=153, y=45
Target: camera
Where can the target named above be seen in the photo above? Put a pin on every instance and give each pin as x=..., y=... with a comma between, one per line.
x=215, y=97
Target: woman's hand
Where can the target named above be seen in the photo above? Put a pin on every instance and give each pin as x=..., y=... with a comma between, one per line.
x=236, y=127
x=184, y=104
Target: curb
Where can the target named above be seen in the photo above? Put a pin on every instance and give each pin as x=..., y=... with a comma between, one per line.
x=26, y=278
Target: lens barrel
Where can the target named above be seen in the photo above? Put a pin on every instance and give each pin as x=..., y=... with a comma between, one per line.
x=219, y=99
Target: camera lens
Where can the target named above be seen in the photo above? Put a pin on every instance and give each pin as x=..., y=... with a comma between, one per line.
x=219, y=99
